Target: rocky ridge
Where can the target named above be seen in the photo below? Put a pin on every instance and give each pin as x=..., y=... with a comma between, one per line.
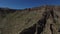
x=38, y=20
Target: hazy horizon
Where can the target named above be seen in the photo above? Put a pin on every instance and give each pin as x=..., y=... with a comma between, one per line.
x=21, y=4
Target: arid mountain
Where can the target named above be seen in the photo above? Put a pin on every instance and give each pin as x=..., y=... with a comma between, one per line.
x=37, y=20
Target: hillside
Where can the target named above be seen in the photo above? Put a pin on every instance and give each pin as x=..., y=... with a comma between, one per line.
x=37, y=20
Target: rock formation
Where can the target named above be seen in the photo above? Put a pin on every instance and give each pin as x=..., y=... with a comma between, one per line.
x=38, y=20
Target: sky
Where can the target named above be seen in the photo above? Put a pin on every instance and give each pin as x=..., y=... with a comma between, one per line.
x=21, y=4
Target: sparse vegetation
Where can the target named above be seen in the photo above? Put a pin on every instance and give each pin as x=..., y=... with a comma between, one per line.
x=39, y=20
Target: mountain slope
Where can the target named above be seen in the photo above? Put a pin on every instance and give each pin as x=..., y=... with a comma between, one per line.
x=39, y=20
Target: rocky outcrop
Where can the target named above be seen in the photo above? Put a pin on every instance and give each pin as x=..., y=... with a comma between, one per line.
x=39, y=20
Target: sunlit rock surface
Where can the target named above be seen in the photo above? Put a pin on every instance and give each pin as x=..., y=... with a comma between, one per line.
x=37, y=20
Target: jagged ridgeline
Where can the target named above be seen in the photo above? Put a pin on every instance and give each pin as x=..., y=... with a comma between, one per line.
x=38, y=20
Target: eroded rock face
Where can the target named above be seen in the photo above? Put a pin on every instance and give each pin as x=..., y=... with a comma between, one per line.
x=39, y=20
